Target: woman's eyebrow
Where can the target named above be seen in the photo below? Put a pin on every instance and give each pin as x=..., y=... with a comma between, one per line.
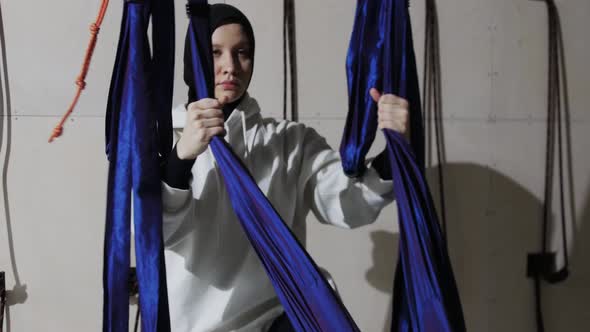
x=244, y=44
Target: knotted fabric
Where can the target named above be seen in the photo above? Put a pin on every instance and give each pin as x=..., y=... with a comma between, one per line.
x=381, y=55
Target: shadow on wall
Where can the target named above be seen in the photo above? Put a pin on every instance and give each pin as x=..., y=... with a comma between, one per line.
x=385, y=255
x=18, y=294
x=493, y=222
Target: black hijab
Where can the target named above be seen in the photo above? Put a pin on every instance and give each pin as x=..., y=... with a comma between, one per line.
x=219, y=14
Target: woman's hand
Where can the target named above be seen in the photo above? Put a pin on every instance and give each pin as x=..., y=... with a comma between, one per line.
x=204, y=119
x=393, y=112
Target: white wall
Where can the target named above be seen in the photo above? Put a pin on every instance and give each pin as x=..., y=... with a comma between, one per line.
x=494, y=63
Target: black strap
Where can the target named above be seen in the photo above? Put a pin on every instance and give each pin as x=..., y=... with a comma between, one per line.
x=289, y=59
x=555, y=123
x=542, y=266
x=197, y=9
x=134, y=291
x=432, y=103
x=2, y=298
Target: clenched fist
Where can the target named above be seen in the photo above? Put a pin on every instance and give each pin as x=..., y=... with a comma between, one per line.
x=393, y=112
x=204, y=119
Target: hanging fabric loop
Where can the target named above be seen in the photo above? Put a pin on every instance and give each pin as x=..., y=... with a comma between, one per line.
x=381, y=56
x=135, y=130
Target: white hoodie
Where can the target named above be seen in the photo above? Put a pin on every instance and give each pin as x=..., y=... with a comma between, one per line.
x=215, y=280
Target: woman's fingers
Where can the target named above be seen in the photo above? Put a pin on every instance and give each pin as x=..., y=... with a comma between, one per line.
x=198, y=114
x=209, y=123
x=375, y=94
x=204, y=120
x=214, y=131
x=392, y=112
x=391, y=99
x=203, y=104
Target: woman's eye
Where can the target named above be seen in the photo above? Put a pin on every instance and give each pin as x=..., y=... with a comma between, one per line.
x=243, y=52
x=216, y=52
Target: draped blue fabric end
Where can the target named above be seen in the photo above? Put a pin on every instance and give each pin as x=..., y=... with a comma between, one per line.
x=381, y=55
x=309, y=301
x=135, y=133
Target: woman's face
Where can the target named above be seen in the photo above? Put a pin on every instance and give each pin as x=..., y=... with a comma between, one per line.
x=232, y=60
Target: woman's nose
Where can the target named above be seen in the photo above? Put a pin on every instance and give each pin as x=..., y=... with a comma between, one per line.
x=229, y=64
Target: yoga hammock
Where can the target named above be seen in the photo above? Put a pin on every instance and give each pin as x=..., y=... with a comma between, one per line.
x=543, y=265
x=138, y=134
x=308, y=299
x=381, y=55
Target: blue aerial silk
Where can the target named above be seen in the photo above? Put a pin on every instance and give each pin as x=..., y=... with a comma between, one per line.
x=308, y=299
x=381, y=55
x=138, y=134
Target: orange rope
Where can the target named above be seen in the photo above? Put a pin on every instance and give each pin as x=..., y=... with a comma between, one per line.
x=80, y=80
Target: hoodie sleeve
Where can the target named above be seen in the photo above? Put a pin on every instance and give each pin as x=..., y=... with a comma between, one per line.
x=176, y=172
x=177, y=197
x=332, y=196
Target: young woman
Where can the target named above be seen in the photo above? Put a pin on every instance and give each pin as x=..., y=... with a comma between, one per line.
x=215, y=280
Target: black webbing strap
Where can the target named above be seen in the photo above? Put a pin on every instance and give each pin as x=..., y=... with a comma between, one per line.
x=432, y=103
x=134, y=291
x=196, y=9
x=289, y=59
x=2, y=298
x=542, y=265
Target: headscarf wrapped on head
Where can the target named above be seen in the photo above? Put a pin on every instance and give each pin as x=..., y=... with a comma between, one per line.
x=219, y=14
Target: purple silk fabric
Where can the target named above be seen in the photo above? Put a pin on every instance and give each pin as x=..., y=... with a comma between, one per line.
x=134, y=179
x=381, y=55
x=308, y=299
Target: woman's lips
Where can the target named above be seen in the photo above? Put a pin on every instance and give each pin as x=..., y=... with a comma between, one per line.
x=229, y=85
